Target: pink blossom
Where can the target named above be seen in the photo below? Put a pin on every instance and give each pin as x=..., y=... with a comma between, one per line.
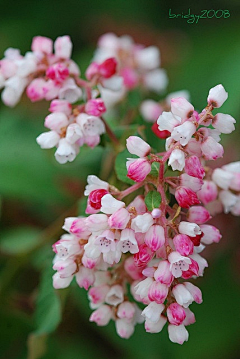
x=224, y=123
x=58, y=72
x=158, y=292
x=155, y=237
x=176, y=314
x=208, y=192
x=153, y=311
x=119, y=219
x=155, y=327
x=138, y=169
x=48, y=139
x=186, y=197
x=61, y=106
x=193, y=167
x=128, y=241
x=56, y=121
x=181, y=107
x=150, y=110
x=124, y=328
x=177, y=160
x=94, y=183
x=96, y=196
x=190, y=229
x=42, y=44
x=95, y=107
x=63, y=47
x=85, y=277
x=182, y=295
x=163, y=273
x=217, y=96
x=198, y=214
x=102, y=315
x=130, y=77
x=143, y=256
x=115, y=295
x=35, y=90
x=193, y=270
x=178, y=334
x=184, y=132
x=178, y=263
x=194, y=183
x=183, y=244
x=108, y=68
x=211, y=149
x=195, y=292
x=137, y=146
x=210, y=234
x=167, y=121
x=98, y=294
x=59, y=282
x=126, y=310
x=142, y=223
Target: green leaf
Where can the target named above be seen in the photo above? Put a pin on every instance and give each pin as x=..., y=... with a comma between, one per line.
x=19, y=241
x=153, y=200
x=82, y=205
x=155, y=169
x=120, y=166
x=48, y=311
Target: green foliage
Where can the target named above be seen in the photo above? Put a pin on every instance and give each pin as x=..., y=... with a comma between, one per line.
x=152, y=200
x=120, y=166
x=20, y=240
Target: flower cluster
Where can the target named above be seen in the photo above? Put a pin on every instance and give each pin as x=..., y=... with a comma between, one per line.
x=154, y=243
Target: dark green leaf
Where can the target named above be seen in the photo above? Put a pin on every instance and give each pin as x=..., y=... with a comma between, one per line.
x=155, y=169
x=153, y=200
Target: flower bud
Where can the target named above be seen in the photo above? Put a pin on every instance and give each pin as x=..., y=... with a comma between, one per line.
x=224, y=123
x=178, y=334
x=119, y=219
x=184, y=132
x=208, y=192
x=167, y=121
x=217, y=96
x=211, y=149
x=35, y=91
x=123, y=328
x=222, y=178
x=158, y=292
x=95, y=197
x=193, y=167
x=186, y=197
x=48, y=139
x=198, y=214
x=181, y=107
x=95, y=107
x=108, y=68
x=137, y=146
x=155, y=327
x=176, y=314
x=163, y=273
x=210, y=234
x=190, y=229
x=42, y=44
x=63, y=47
x=183, y=244
x=155, y=237
x=102, y=315
x=150, y=110
x=177, y=160
x=194, y=183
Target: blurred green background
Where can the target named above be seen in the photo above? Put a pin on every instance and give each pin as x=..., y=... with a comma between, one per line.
x=37, y=193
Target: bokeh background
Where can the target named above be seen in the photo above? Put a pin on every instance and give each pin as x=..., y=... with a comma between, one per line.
x=37, y=193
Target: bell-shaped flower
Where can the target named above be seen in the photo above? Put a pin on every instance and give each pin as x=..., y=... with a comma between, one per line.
x=190, y=229
x=208, y=192
x=183, y=133
x=176, y=314
x=124, y=328
x=224, y=123
x=167, y=121
x=163, y=273
x=211, y=149
x=217, y=96
x=181, y=107
x=110, y=205
x=155, y=327
x=178, y=263
x=178, y=333
x=63, y=47
x=142, y=223
x=186, y=197
x=155, y=237
x=128, y=241
x=115, y=295
x=137, y=146
x=65, y=152
x=198, y=214
x=177, y=160
x=48, y=139
x=102, y=315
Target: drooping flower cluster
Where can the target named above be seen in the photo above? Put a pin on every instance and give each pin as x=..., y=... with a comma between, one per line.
x=154, y=243
x=77, y=105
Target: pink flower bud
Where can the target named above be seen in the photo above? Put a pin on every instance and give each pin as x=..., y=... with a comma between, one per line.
x=108, y=68
x=186, y=197
x=210, y=234
x=198, y=214
x=89, y=262
x=150, y=110
x=217, y=96
x=130, y=77
x=195, y=292
x=102, y=315
x=144, y=256
x=158, y=292
x=156, y=213
x=63, y=47
x=60, y=283
x=208, y=192
x=123, y=328
x=95, y=198
x=42, y=44
x=178, y=334
x=110, y=205
x=194, y=183
x=155, y=327
x=153, y=312
x=8, y=68
x=94, y=183
x=190, y=317
x=183, y=244
x=126, y=310
x=119, y=219
x=138, y=169
x=155, y=237
x=95, y=107
x=35, y=91
x=58, y=73
x=178, y=264
x=194, y=147
x=137, y=146
x=132, y=270
x=196, y=240
x=65, y=268
x=194, y=168
x=211, y=149
x=97, y=294
x=181, y=107
x=224, y=123
x=85, y=277
x=176, y=314
x=61, y=106
x=163, y=273
x=55, y=121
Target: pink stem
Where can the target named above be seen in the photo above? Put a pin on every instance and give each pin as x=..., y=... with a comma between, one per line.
x=129, y=190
